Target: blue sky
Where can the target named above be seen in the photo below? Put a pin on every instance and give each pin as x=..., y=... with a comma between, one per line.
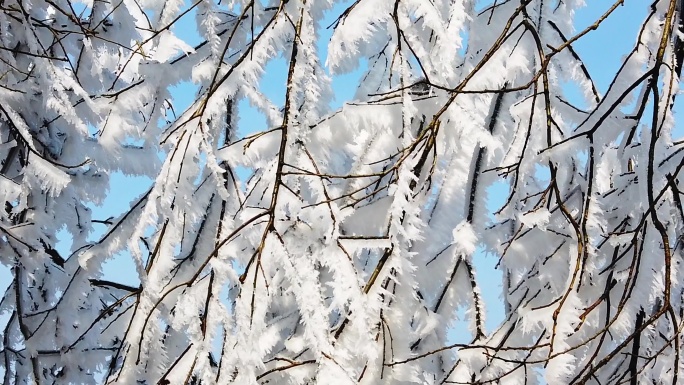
x=602, y=52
